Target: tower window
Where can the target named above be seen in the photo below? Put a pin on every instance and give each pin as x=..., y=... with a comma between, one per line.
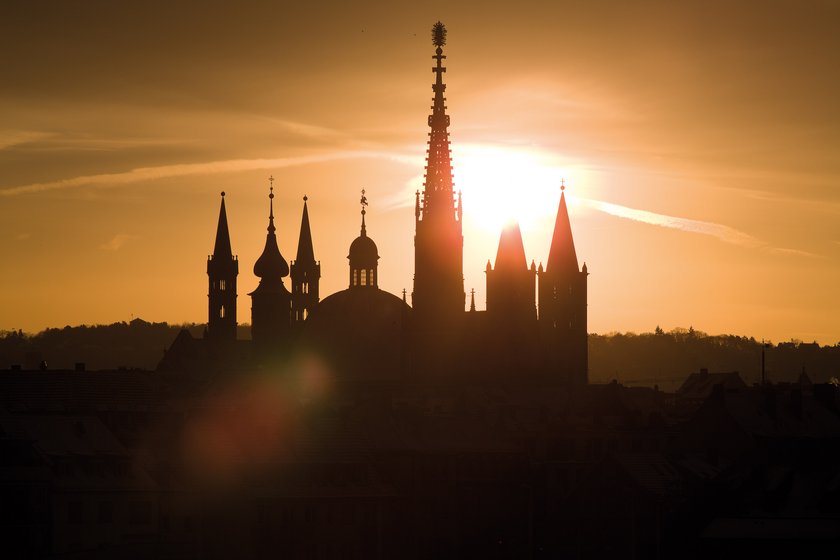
x=222, y=312
x=364, y=277
x=222, y=285
x=355, y=277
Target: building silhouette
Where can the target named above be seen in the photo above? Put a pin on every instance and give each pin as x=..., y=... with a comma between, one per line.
x=305, y=273
x=433, y=432
x=543, y=336
x=271, y=302
x=222, y=270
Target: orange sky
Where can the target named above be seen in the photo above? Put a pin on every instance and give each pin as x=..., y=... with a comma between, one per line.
x=699, y=141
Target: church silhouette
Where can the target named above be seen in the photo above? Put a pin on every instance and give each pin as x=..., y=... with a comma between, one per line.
x=535, y=323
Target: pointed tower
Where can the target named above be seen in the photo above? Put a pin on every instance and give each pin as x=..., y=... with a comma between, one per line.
x=438, y=296
x=364, y=257
x=305, y=273
x=222, y=270
x=271, y=302
x=562, y=302
x=511, y=284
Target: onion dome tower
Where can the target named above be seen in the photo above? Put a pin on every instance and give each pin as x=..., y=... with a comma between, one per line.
x=305, y=272
x=563, y=302
x=438, y=297
x=222, y=270
x=271, y=302
x=363, y=257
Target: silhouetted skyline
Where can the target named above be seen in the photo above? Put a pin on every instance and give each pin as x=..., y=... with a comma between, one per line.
x=715, y=120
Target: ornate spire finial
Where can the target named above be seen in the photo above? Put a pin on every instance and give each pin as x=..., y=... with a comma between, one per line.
x=438, y=34
x=271, y=228
x=363, y=201
x=563, y=184
x=305, y=198
x=223, y=194
x=472, y=299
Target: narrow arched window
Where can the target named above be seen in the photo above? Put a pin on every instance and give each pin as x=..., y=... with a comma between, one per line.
x=222, y=312
x=364, y=277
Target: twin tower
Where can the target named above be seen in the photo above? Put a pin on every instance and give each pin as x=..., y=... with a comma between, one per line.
x=547, y=336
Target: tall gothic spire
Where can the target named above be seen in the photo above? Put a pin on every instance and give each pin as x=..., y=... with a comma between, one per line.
x=271, y=263
x=222, y=247
x=305, y=252
x=222, y=270
x=438, y=295
x=562, y=257
x=305, y=272
x=438, y=195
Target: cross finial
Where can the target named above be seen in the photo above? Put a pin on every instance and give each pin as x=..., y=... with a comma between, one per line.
x=363, y=201
x=271, y=186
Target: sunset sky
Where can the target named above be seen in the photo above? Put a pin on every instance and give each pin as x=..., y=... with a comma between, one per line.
x=699, y=142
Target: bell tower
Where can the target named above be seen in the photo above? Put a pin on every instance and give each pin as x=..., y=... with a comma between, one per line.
x=222, y=270
x=438, y=296
x=563, y=303
x=305, y=272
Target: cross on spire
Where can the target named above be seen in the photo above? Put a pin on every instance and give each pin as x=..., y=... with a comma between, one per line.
x=271, y=227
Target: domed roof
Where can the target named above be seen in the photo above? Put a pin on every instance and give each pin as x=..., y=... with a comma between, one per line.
x=363, y=250
x=360, y=332
x=271, y=263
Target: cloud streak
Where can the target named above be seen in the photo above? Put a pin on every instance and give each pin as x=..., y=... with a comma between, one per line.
x=10, y=138
x=183, y=170
x=722, y=232
x=116, y=243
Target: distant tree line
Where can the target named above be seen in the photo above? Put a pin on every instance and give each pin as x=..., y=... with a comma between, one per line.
x=657, y=358
x=136, y=344
x=666, y=358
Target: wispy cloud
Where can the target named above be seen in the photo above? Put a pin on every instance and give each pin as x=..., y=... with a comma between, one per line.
x=182, y=170
x=722, y=232
x=793, y=252
x=9, y=138
x=117, y=242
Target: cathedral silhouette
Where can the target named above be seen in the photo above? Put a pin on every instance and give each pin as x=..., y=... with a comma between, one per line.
x=535, y=323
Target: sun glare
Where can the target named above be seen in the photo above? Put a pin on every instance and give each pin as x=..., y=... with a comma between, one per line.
x=500, y=185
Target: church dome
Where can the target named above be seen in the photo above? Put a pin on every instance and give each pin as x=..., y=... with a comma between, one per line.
x=360, y=333
x=271, y=263
x=363, y=251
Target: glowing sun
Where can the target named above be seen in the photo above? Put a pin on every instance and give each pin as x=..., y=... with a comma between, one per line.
x=504, y=184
